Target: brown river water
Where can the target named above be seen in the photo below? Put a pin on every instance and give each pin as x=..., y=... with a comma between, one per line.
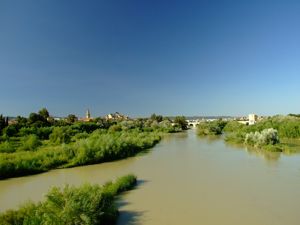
x=186, y=180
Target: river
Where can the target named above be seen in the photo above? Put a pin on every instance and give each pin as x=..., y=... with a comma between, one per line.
x=186, y=180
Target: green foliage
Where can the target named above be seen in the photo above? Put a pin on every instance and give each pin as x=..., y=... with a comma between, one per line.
x=287, y=126
x=3, y=122
x=233, y=126
x=30, y=143
x=166, y=127
x=79, y=136
x=85, y=205
x=10, y=131
x=42, y=132
x=21, y=121
x=157, y=118
x=26, y=162
x=87, y=127
x=295, y=115
x=237, y=137
x=181, y=122
x=103, y=123
x=266, y=137
x=36, y=120
x=115, y=128
x=211, y=128
x=71, y=118
x=44, y=113
x=6, y=146
x=24, y=131
x=102, y=146
x=61, y=135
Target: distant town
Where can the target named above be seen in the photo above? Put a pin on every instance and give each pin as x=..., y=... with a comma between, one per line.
x=251, y=119
x=192, y=121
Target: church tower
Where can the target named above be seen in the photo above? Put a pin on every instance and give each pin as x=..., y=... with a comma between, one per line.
x=88, y=114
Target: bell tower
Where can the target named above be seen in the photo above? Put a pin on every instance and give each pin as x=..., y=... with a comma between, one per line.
x=88, y=114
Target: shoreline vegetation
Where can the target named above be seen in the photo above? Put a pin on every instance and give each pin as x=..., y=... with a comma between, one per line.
x=39, y=143
x=272, y=134
x=86, y=204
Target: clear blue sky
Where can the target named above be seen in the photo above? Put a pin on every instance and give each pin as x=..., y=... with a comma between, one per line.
x=138, y=57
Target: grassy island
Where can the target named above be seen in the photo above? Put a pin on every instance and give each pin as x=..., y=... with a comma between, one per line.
x=86, y=205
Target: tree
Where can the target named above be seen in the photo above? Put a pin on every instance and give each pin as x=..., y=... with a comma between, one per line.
x=61, y=135
x=71, y=118
x=10, y=130
x=158, y=118
x=35, y=118
x=212, y=128
x=3, y=122
x=181, y=122
x=30, y=143
x=266, y=137
x=44, y=113
x=21, y=121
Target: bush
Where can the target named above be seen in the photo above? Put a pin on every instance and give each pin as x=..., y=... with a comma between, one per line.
x=10, y=131
x=61, y=135
x=102, y=146
x=115, y=128
x=259, y=139
x=30, y=143
x=88, y=127
x=211, y=128
x=233, y=126
x=181, y=122
x=6, y=146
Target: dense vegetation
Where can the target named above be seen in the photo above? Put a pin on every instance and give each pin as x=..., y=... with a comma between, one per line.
x=85, y=205
x=266, y=134
x=211, y=128
x=40, y=143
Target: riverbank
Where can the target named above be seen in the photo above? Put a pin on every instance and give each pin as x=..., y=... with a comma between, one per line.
x=100, y=146
x=273, y=134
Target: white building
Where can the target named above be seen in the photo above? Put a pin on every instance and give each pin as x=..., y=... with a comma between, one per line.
x=252, y=119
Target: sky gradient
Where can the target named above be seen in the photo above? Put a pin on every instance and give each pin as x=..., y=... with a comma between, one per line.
x=139, y=57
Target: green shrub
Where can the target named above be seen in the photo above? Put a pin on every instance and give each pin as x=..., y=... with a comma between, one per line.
x=211, y=128
x=266, y=137
x=6, y=146
x=115, y=128
x=30, y=143
x=100, y=147
x=235, y=137
x=233, y=126
x=61, y=135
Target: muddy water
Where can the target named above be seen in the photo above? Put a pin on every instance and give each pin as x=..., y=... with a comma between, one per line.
x=187, y=180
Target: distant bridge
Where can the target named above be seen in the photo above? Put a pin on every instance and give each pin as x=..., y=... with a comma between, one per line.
x=193, y=123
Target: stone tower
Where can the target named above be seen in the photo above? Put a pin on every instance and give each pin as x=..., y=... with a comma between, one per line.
x=88, y=114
